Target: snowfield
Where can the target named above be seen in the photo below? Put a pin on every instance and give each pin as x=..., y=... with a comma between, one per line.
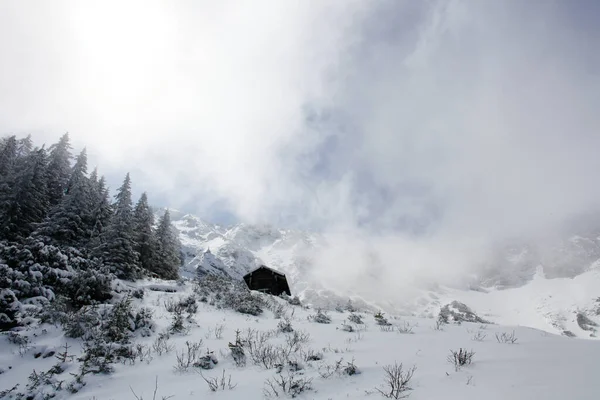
x=538, y=365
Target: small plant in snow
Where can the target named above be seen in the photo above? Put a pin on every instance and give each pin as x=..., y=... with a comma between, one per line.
x=311, y=355
x=350, y=307
x=460, y=358
x=189, y=356
x=479, y=336
x=506, y=337
x=178, y=323
x=219, y=383
x=143, y=322
x=161, y=344
x=217, y=332
x=355, y=319
x=285, y=326
x=320, y=317
x=381, y=320
x=237, y=351
x=65, y=357
x=292, y=384
x=396, y=381
x=153, y=395
x=347, y=327
x=386, y=328
x=207, y=361
x=406, y=328
x=338, y=368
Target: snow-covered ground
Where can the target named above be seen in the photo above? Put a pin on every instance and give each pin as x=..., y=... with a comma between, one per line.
x=539, y=365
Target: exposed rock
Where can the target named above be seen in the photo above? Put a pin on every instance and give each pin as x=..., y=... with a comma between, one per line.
x=460, y=312
x=585, y=323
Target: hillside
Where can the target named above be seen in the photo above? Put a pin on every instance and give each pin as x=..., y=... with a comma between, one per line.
x=324, y=360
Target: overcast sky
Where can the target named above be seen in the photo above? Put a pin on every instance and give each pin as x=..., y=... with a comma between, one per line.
x=392, y=119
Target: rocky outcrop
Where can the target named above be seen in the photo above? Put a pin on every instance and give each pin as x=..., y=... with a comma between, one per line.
x=460, y=312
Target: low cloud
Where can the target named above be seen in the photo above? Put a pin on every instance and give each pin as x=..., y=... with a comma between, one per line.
x=420, y=133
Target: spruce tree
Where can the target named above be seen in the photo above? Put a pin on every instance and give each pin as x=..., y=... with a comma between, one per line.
x=25, y=200
x=116, y=247
x=59, y=169
x=8, y=156
x=70, y=222
x=169, y=260
x=147, y=244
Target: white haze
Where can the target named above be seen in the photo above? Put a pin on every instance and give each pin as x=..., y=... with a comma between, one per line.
x=416, y=131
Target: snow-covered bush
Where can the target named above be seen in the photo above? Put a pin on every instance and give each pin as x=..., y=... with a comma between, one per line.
x=226, y=292
x=294, y=301
x=381, y=320
x=237, y=350
x=9, y=307
x=292, y=384
x=355, y=319
x=320, y=317
x=285, y=326
x=120, y=322
x=89, y=287
x=143, y=321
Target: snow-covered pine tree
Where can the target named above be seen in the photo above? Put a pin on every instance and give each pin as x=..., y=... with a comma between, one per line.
x=8, y=156
x=102, y=210
x=24, y=198
x=145, y=237
x=169, y=260
x=69, y=222
x=59, y=169
x=116, y=246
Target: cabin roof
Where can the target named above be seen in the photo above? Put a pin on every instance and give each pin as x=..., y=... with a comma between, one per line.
x=266, y=268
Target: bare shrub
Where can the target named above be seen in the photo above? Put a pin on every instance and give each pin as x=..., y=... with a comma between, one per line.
x=294, y=342
x=219, y=383
x=161, y=344
x=396, y=381
x=460, y=358
x=439, y=325
x=320, y=317
x=338, y=368
x=406, y=328
x=506, y=337
x=219, y=329
x=479, y=336
x=312, y=355
x=347, y=327
x=386, y=328
x=217, y=332
x=153, y=395
x=292, y=384
x=189, y=356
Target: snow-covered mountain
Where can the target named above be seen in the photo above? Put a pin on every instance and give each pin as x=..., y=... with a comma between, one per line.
x=535, y=272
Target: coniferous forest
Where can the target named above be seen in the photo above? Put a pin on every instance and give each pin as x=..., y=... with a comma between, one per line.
x=64, y=237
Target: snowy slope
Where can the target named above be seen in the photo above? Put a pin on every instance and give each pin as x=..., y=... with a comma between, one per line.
x=539, y=365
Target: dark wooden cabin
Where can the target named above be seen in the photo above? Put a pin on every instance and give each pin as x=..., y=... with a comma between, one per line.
x=267, y=280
